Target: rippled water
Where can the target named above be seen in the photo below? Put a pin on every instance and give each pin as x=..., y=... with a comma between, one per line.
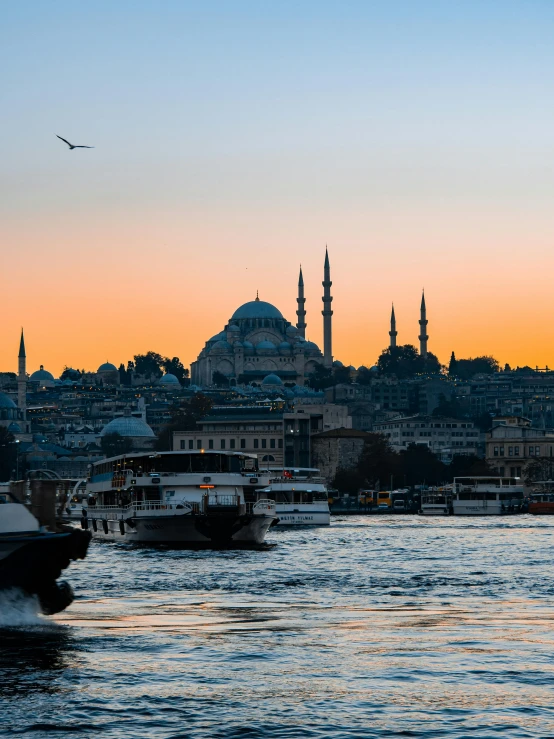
x=374, y=627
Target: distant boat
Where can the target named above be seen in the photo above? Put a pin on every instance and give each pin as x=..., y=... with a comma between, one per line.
x=301, y=496
x=33, y=558
x=487, y=496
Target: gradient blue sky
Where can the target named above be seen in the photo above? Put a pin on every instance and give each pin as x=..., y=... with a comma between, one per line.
x=233, y=140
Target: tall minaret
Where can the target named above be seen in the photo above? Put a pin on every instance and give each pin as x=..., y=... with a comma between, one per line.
x=327, y=313
x=393, y=333
x=423, y=328
x=301, y=312
x=22, y=379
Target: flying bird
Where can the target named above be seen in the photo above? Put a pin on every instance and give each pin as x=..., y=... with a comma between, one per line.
x=72, y=146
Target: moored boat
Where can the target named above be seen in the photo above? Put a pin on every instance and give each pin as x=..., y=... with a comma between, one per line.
x=197, y=499
x=541, y=499
x=437, y=502
x=487, y=496
x=301, y=497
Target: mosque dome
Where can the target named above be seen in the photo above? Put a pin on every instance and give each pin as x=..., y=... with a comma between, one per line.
x=248, y=347
x=6, y=401
x=221, y=336
x=107, y=367
x=42, y=375
x=238, y=344
x=310, y=348
x=338, y=363
x=169, y=380
x=14, y=428
x=221, y=347
x=272, y=380
x=233, y=327
x=284, y=347
x=266, y=346
x=291, y=331
x=128, y=426
x=256, y=309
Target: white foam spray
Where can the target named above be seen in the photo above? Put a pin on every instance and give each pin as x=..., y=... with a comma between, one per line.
x=19, y=609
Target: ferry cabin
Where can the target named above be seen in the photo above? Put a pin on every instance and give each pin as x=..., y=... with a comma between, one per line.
x=487, y=496
x=300, y=495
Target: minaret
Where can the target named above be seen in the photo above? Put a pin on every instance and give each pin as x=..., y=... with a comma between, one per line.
x=22, y=380
x=393, y=332
x=423, y=328
x=327, y=313
x=301, y=312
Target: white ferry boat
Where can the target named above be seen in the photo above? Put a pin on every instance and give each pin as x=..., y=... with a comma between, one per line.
x=437, y=502
x=300, y=495
x=487, y=496
x=180, y=498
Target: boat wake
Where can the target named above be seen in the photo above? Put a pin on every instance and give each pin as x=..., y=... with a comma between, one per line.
x=19, y=609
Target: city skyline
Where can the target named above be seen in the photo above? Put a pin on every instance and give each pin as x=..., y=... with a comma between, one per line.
x=413, y=139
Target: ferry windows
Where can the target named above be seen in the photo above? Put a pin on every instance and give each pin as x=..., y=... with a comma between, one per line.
x=243, y=443
x=191, y=444
x=210, y=443
x=223, y=443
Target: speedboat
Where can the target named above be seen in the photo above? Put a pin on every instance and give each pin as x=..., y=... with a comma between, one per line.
x=32, y=558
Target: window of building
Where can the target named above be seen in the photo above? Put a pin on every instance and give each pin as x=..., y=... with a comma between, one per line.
x=182, y=443
x=191, y=444
x=496, y=451
x=531, y=451
x=264, y=443
x=243, y=443
x=272, y=443
x=223, y=443
x=537, y=451
x=280, y=445
x=210, y=443
x=256, y=443
x=231, y=443
x=511, y=453
x=516, y=451
x=501, y=451
x=199, y=443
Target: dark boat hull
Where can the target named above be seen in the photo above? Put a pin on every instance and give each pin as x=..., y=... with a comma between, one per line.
x=34, y=563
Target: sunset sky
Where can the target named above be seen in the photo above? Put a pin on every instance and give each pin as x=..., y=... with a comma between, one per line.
x=235, y=139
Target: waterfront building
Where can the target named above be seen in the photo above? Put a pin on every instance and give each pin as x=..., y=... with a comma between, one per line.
x=257, y=340
x=445, y=437
x=337, y=448
x=513, y=442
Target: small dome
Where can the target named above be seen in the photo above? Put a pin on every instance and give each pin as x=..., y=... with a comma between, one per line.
x=248, y=347
x=267, y=345
x=272, y=380
x=291, y=331
x=6, y=401
x=310, y=348
x=338, y=363
x=221, y=347
x=14, y=428
x=169, y=380
x=256, y=309
x=41, y=375
x=284, y=347
x=107, y=367
x=375, y=368
x=233, y=327
x=128, y=426
x=221, y=336
x=237, y=344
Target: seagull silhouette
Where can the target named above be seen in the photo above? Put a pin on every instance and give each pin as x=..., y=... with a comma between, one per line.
x=72, y=146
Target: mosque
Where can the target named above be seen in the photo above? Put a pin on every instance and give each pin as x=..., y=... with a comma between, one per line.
x=258, y=341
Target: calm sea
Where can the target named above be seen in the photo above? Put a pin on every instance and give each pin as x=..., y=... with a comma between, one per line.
x=375, y=627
